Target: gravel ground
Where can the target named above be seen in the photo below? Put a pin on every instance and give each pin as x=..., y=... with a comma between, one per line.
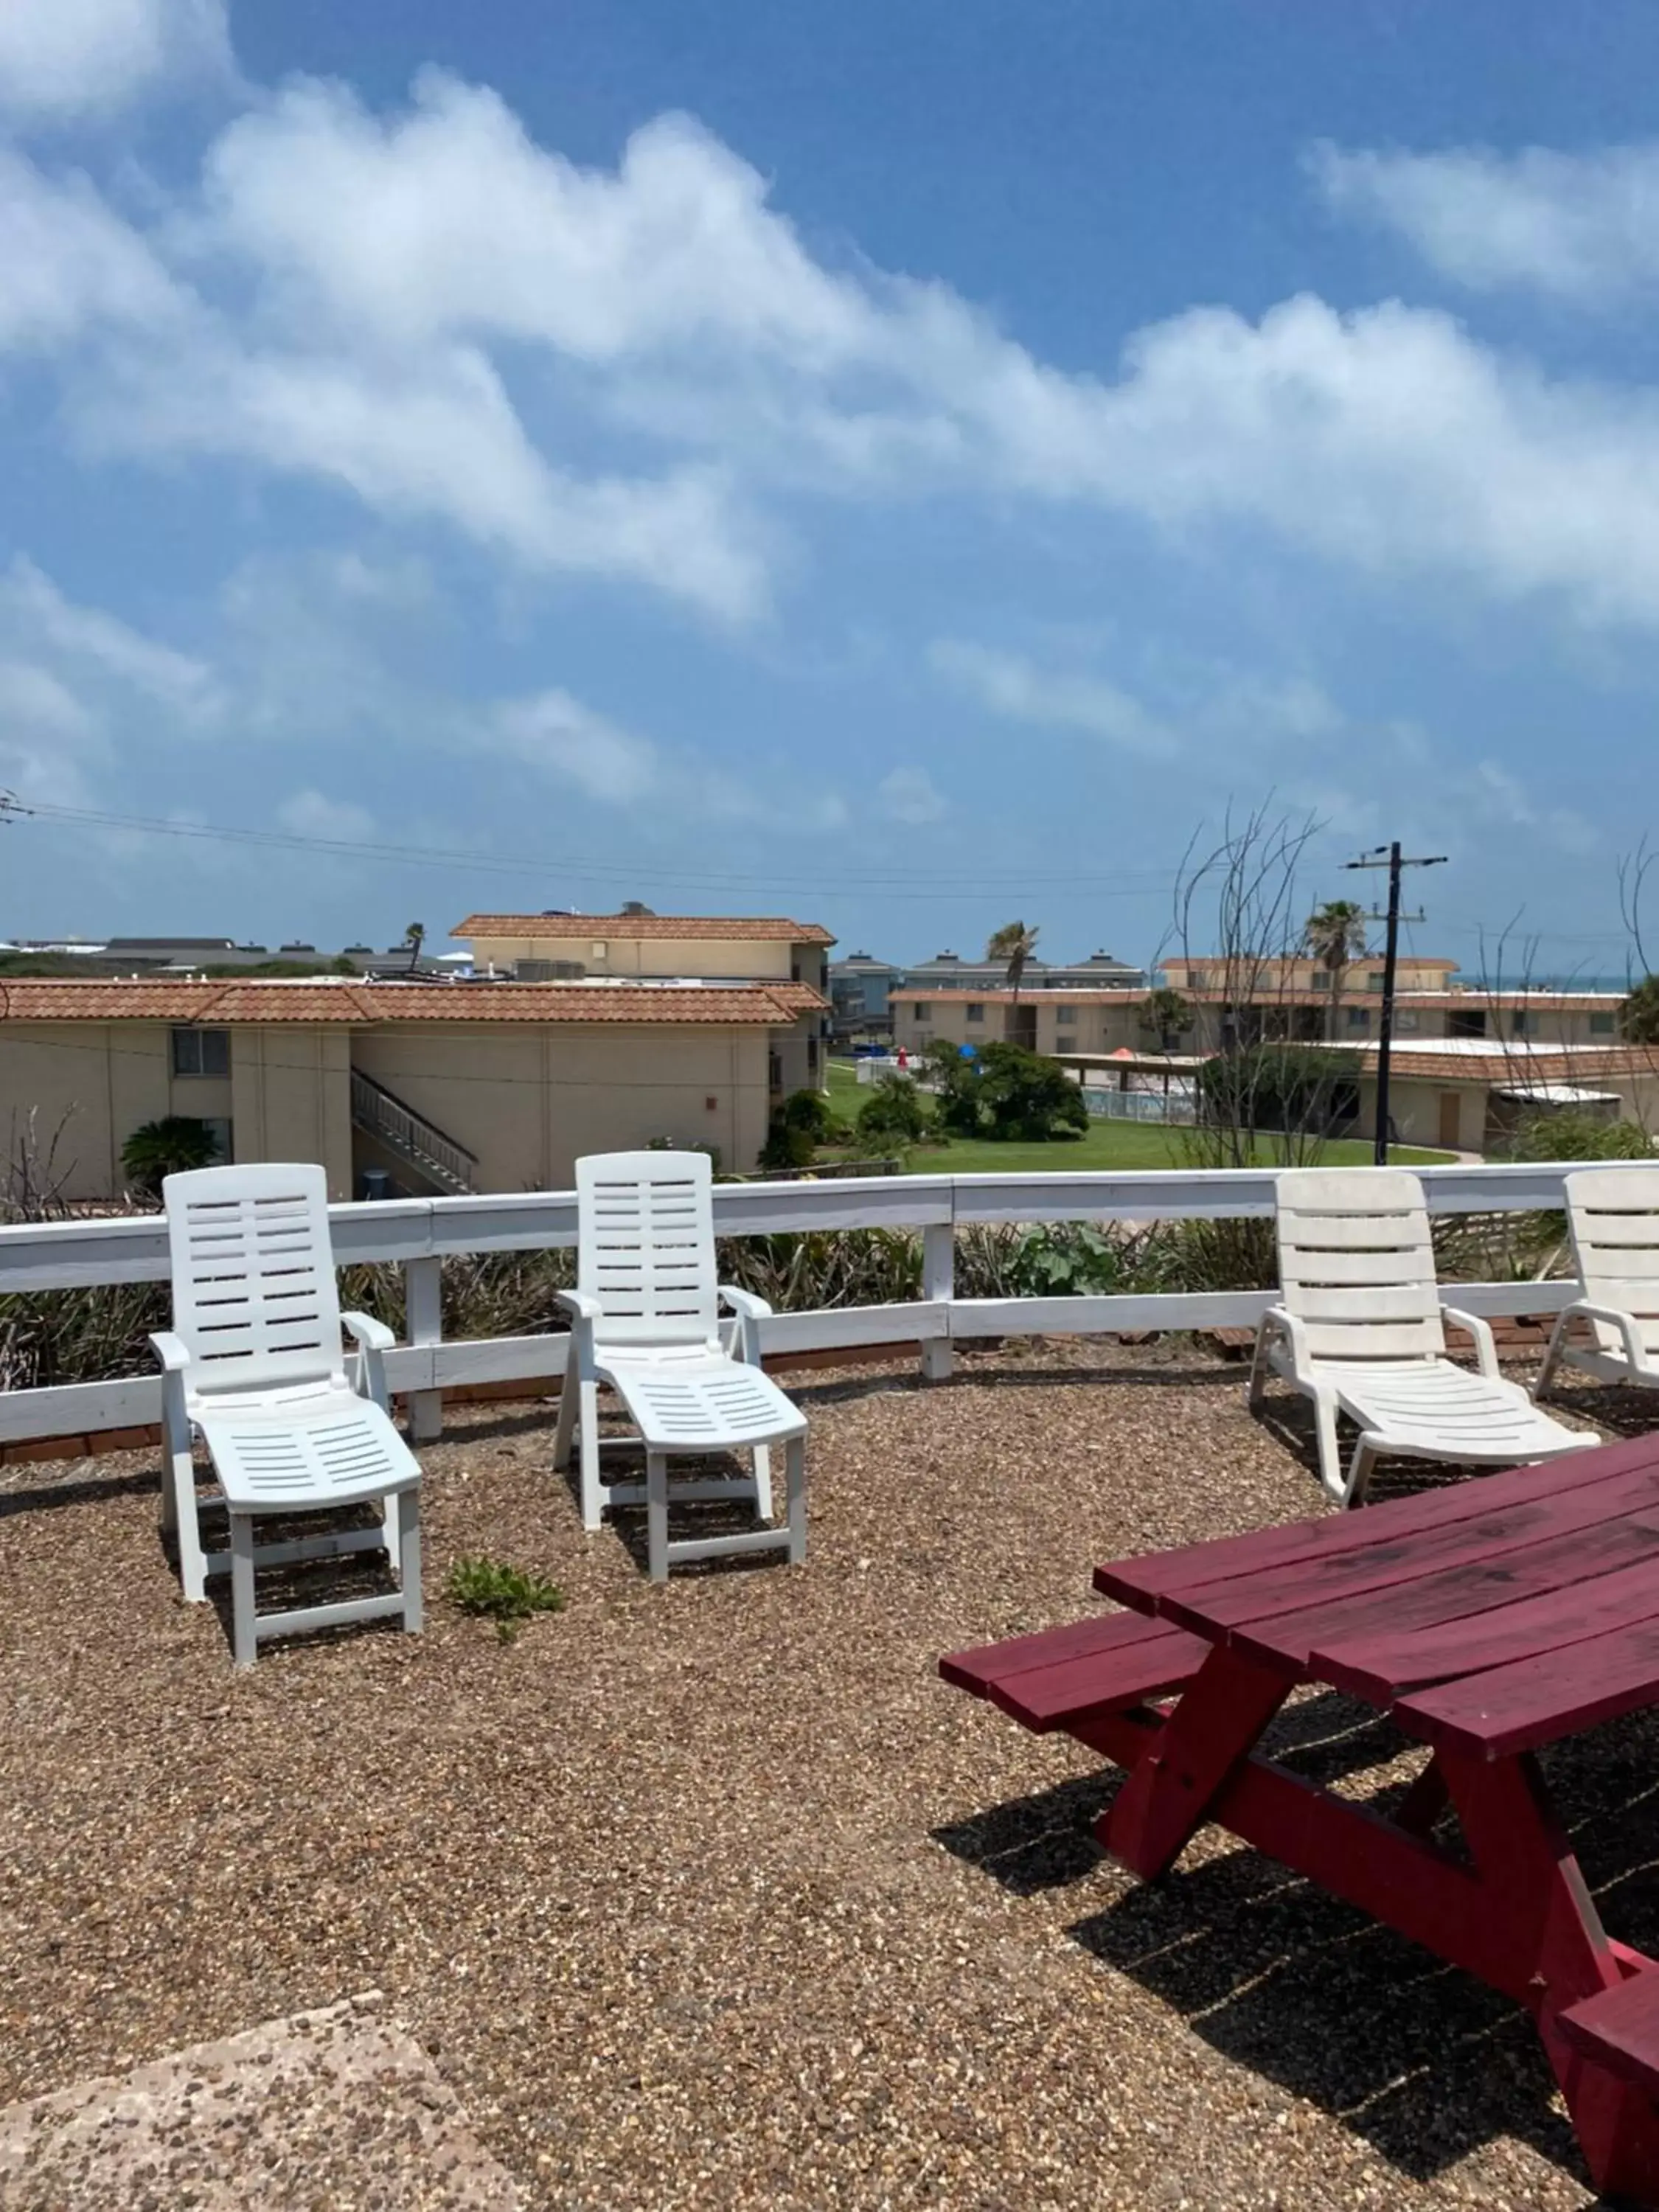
x=713, y=1895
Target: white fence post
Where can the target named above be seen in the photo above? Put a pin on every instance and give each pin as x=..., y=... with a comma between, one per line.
x=939, y=1280
x=424, y=1325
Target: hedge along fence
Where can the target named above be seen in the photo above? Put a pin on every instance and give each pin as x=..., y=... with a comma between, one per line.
x=926, y=1261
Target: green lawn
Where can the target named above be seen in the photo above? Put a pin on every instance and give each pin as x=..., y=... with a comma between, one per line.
x=1107, y=1145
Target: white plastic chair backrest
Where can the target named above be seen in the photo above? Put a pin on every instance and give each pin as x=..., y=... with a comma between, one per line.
x=646, y=1222
x=1356, y=1264
x=253, y=1290
x=1614, y=1216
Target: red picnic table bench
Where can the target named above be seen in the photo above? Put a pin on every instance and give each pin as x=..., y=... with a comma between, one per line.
x=1488, y=1621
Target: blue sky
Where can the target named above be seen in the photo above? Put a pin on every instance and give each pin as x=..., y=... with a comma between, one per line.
x=906, y=467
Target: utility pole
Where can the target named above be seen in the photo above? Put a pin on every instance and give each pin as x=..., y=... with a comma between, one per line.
x=1388, y=856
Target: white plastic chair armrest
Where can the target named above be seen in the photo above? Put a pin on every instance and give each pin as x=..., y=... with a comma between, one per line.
x=750, y=1311
x=1614, y=1316
x=580, y=1305
x=172, y=1350
x=372, y=1336
x=749, y=1304
x=374, y=1340
x=1294, y=1328
x=1485, y=1347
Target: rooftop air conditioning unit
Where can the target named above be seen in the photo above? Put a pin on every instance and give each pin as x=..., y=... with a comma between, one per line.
x=550, y=971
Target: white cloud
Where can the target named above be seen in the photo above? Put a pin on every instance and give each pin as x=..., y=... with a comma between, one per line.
x=61, y=59
x=559, y=735
x=311, y=814
x=69, y=263
x=908, y=795
x=1018, y=690
x=445, y=321
x=1583, y=228
x=32, y=605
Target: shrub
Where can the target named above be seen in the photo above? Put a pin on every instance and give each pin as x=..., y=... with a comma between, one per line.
x=809, y=1112
x=507, y=1596
x=1274, y=1086
x=1010, y=1094
x=172, y=1146
x=893, y=1113
x=786, y=1148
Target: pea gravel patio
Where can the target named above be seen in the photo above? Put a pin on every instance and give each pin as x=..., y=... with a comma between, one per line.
x=712, y=1894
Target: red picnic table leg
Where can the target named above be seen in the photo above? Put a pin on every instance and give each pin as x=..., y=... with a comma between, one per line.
x=1528, y=1868
x=1174, y=1783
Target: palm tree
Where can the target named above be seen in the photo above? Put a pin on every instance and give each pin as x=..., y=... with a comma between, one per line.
x=415, y=937
x=1638, y=1017
x=1335, y=934
x=173, y=1146
x=1013, y=945
x=1167, y=1015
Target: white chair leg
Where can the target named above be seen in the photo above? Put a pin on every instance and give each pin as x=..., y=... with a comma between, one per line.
x=794, y=1462
x=180, y=1480
x=391, y=1529
x=1552, y=1358
x=567, y=1421
x=1330, y=1453
x=1360, y=1472
x=1260, y=1371
x=656, y=1515
x=592, y=1488
x=763, y=1481
x=407, y=1503
x=245, y=1640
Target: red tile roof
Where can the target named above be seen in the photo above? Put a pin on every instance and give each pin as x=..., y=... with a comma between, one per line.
x=226, y=1004
x=769, y=929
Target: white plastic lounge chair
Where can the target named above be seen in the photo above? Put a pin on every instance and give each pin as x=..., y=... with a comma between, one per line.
x=255, y=1365
x=1358, y=1329
x=646, y=1320
x=1614, y=1216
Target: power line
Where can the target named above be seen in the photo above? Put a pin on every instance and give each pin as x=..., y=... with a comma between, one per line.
x=1121, y=884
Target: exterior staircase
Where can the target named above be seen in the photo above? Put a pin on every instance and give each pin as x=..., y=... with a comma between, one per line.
x=409, y=1137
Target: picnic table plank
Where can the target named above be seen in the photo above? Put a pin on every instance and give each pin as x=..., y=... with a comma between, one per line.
x=1048, y=1698
x=1619, y=2029
x=1538, y=1700
x=1403, y=1557
x=1381, y=1666
x=977, y=1669
x=1465, y=1591
x=1134, y=1582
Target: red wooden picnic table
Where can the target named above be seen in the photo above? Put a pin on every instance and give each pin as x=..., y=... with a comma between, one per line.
x=1488, y=1621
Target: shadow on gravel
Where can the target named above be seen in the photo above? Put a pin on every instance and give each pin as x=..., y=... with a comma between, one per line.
x=1421, y=2060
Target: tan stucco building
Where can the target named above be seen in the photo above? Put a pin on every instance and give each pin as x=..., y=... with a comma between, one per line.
x=441, y=1087
x=546, y=948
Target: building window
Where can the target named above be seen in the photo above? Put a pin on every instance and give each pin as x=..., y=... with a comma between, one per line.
x=218, y=1128
x=596, y=951
x=200, y=1051
x=1359, y=1017
x=1603, y=1025
x=794, y=971
x=1408, y=1020
x=1066, y=1013
x=1374, y=981
x=1197, y=980
x=1524, y=1024
x=922, y=1010
x=811, y=1056
x=974, y=1013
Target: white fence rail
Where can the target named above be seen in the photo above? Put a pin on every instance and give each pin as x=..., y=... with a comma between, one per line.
x=418, y=1233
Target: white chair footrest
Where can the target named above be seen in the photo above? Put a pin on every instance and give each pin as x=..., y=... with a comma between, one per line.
x=338, y=1454
x=715, y=1404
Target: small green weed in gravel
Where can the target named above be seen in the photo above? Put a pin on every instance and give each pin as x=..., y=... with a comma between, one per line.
x=505, y=1595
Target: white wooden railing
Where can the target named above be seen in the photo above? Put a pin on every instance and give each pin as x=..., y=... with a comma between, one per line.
x=418, y=1233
